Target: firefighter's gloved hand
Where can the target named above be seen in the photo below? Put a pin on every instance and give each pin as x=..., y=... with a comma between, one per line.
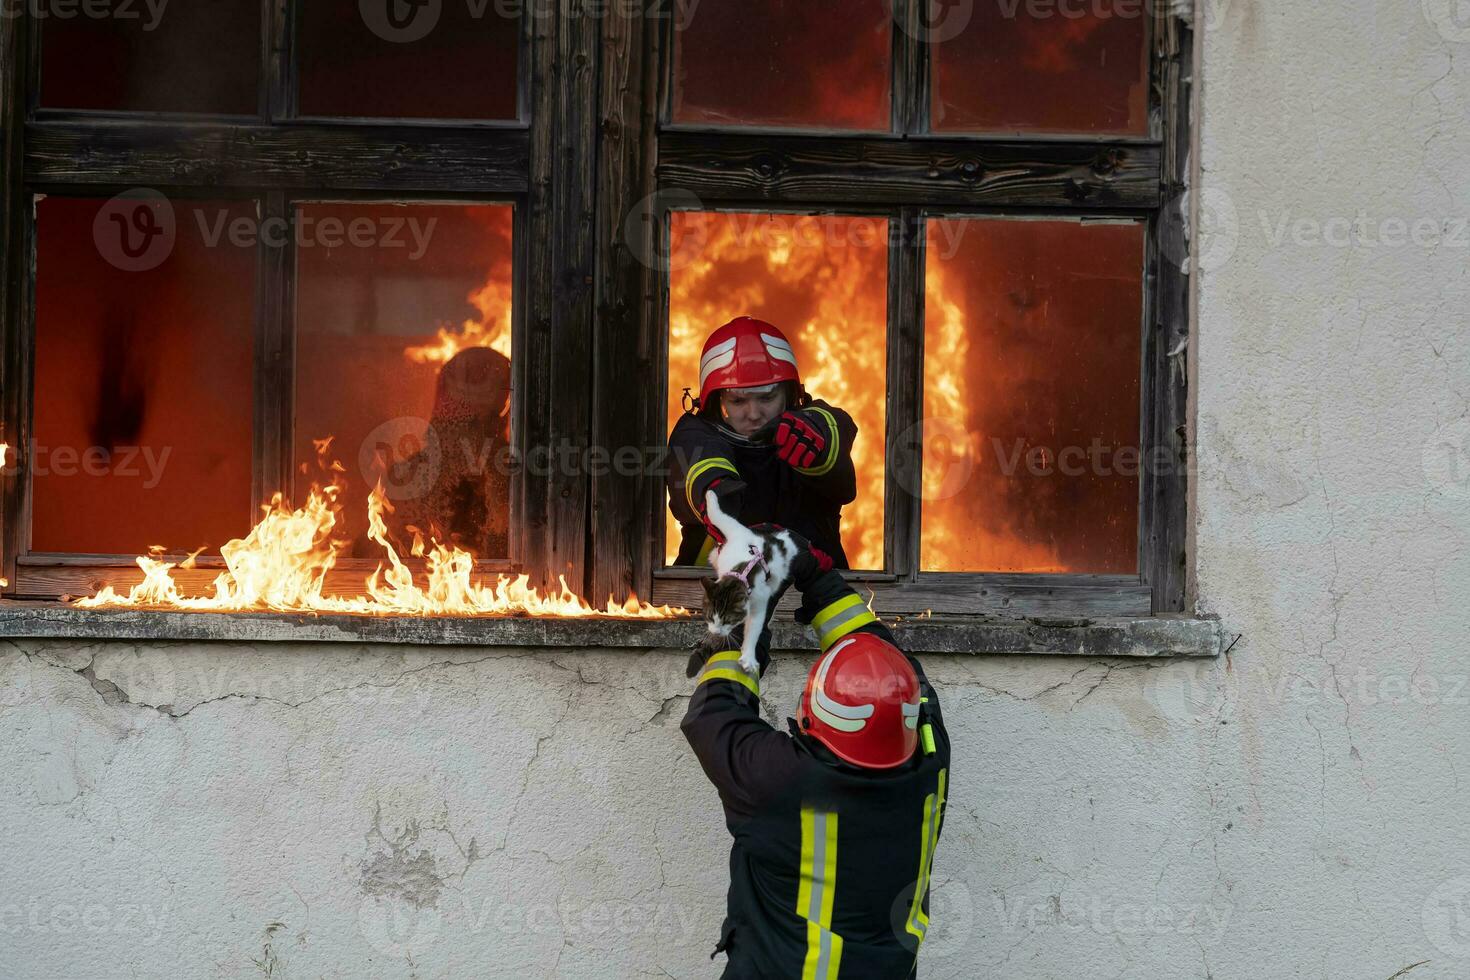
x=799, y=438
x=810, y=563
x=708, y=646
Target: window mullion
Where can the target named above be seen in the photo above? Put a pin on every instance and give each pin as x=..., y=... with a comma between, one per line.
x=910, y=69
x=904, y=452
x=279, y=59
x=275, y=349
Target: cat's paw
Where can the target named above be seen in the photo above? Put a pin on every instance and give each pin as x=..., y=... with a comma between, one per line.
x=750, y=664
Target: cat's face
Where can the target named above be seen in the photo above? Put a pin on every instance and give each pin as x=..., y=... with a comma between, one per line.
x=724, y=604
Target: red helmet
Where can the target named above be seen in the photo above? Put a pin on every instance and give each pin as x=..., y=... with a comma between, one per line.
x=745, y=353
x=862, y=702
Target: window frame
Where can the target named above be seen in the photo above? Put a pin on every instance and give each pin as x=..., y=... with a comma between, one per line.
x=910, y=174
x=592, y=173
x=276, y=160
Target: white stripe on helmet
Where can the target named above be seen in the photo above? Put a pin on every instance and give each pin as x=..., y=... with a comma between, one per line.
x=721, y=355
x=910, y=714
x=843, y=717
x=779, y=349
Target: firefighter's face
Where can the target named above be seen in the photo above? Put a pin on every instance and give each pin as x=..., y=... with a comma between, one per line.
x=747, y=410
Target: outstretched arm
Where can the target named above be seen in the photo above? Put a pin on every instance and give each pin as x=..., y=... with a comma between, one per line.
x=834, y=609
x=746, y=759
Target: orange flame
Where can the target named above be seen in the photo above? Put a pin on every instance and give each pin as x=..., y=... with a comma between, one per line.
x=282, y=566
x=821, y=279
x=491, y=328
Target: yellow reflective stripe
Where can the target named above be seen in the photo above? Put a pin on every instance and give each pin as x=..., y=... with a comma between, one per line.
x=927, y=734
x=814, y=894
x=825, y=466
x=841, y=605
x=918, y=923
x=841, y=618
x=724, y=656
x=709, y=545
x=732, y=674
x=698, y=470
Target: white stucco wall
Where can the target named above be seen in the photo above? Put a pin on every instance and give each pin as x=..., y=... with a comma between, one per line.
x=1296, y=810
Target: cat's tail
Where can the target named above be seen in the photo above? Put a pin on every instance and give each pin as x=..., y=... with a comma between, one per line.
x=727, y=526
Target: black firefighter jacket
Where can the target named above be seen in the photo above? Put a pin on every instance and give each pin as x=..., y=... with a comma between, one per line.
x=756, y=487
x=829, y=871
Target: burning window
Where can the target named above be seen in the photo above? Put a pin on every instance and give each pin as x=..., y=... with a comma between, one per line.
x=143, y=379
x=1039, y=68
x=409, y=61
x=823, y=280
x=403, y=357
x=176, y=57
x=801, y=63
x=1031, y=395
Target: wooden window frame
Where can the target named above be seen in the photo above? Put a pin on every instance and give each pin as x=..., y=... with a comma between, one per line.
x=593, y=175
x=540, y=163
x=908, y=175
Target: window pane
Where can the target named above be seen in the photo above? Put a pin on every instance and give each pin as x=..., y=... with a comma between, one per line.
x=398, y=60
x=1029, y=67
x=823, y=279
x=403, y=326
x=143, y=400
x=1031, y=396
x=186, y=57
x=804, y=63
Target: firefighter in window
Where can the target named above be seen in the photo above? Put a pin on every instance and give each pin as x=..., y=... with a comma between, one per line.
x=836, y=823
x=771, y=453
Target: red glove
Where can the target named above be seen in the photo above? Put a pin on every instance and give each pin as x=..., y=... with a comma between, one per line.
x=798, y=442
x=714, y=532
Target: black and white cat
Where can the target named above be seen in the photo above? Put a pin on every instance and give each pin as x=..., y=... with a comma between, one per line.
x=751, y=568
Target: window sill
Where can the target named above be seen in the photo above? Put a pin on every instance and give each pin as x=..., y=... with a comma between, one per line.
x=1143, y=636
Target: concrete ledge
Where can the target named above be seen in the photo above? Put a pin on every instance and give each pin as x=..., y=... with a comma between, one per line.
x=1160, y=636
